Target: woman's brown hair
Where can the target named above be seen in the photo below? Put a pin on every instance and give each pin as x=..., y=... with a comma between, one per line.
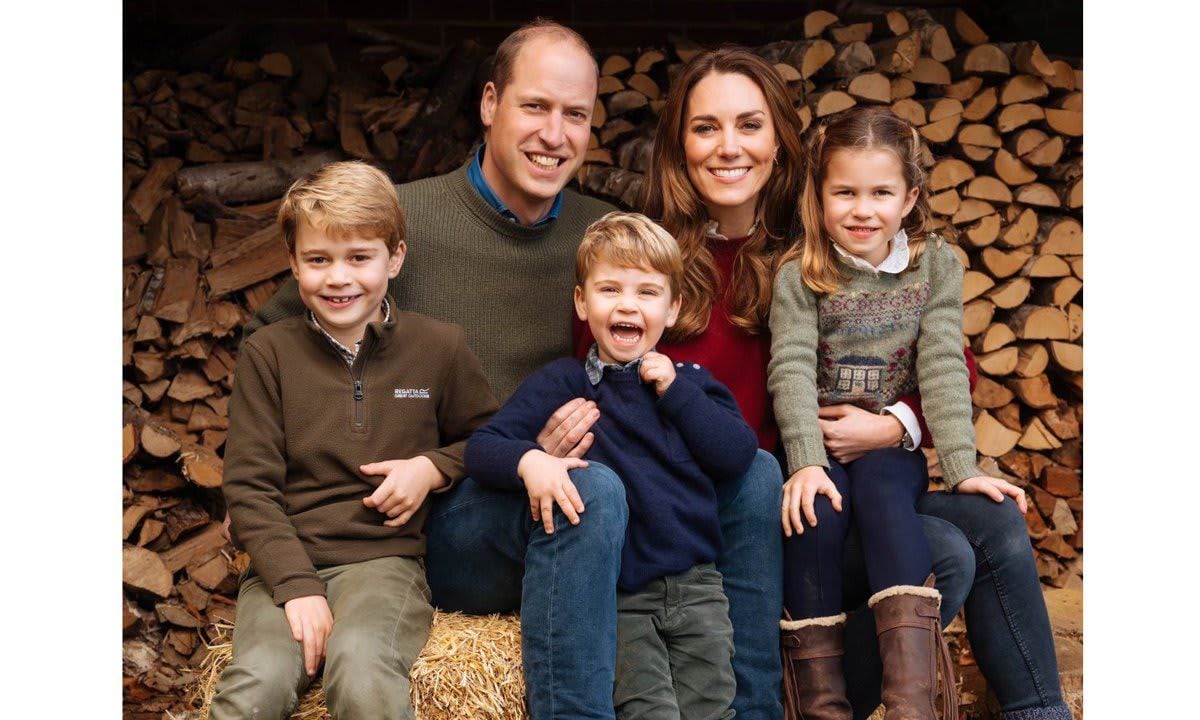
x=669, y=197
x=860, y=128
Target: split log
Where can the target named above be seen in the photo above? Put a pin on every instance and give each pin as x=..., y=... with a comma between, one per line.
x=992, y=438
x=1032, y=322
x=995, y=337
x=142, y=570
x=248, y=182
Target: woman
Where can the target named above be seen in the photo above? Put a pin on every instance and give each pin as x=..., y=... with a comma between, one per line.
x=724, y=179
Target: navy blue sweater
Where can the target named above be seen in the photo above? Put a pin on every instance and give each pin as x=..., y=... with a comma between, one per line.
x=667, y=451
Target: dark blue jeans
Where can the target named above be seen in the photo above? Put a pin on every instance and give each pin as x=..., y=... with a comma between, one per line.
x=879, y=494
x=486, y=554
x=1006, y=615
x=982, y=557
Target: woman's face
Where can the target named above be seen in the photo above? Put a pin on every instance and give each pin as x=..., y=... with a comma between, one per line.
x=729, y=143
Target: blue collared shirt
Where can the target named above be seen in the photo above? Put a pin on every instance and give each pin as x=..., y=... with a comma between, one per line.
x=595, y=367
x=475, y=175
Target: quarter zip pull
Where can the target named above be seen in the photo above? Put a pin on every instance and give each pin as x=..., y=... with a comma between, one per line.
x=358, y=404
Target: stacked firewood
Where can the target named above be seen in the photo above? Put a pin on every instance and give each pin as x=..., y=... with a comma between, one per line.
x=209, y=152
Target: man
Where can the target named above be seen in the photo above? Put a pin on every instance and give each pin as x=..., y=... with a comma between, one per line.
x=491, y=247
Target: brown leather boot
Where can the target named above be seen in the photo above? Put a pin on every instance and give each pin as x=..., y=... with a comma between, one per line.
x=814, y=687
x=913, y=651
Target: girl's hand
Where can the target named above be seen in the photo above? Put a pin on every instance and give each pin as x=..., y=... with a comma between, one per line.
x=850, y=432
x=801, y=489
x=995, y=488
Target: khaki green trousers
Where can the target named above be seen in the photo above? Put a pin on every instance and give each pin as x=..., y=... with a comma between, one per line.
x=381, y=620
x=675, y=649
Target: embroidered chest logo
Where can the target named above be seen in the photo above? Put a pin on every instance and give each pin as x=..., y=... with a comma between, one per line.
x=411, y=393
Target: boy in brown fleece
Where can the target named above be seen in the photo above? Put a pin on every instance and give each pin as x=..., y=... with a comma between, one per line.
x=336, y=545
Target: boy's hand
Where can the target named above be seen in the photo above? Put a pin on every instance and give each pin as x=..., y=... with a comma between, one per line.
x=311, y=624
x=404, y=489
x=566, y=432
x=995, y=488
x=546, y=481
x=801, y=489
x=658, y=369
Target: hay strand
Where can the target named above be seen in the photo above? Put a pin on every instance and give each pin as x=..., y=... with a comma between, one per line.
x=470, y=667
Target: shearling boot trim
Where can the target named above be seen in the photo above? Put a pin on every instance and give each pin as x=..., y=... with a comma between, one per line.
x=905, y=590
x=1054, y=712
x=827, y=621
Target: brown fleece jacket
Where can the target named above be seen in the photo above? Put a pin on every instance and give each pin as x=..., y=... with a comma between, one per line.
x=302, y=421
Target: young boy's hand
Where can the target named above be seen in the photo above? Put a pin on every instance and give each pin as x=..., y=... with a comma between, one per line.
x=547, y=482
x=311, y=624
x=801, y=489
x=658, y=369
x=404, y=489
x=995, y=488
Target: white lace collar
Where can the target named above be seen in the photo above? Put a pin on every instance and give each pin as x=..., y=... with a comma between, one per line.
x=895, y=263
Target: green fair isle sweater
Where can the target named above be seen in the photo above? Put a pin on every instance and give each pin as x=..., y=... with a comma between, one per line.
x=507, y=285
x=879, y=336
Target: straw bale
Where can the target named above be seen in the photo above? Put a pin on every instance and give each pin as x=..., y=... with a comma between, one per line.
x=470, y=667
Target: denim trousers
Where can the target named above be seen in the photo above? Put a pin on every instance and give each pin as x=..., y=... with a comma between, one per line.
x=1007, y=623
x=485, y=554
x=879, y=494
x=983, y=560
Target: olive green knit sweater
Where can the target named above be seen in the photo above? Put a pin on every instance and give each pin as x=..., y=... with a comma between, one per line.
x=879, y=336
x=508, y=285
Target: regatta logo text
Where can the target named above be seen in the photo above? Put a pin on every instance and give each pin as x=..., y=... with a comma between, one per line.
x=411, y=393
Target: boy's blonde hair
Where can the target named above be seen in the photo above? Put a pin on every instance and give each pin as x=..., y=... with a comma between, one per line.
x=629, y=240
x=344, y=198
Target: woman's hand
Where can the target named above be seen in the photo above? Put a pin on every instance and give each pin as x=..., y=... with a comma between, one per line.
x=801, y=490
x=995, y=488
x=850, y=432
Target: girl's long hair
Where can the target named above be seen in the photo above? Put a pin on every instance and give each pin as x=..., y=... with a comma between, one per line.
x=668, y=195
x=860, y=128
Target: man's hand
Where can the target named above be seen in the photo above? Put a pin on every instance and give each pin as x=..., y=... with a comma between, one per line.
x=850, y=432
x=995, y=488
x=404, y=489
x=801, y=489
x=311, y=624
x=546, y=481
x=566, y=432
x=658, y=369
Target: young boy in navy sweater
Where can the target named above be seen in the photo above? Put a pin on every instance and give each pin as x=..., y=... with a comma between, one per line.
x=669, y=430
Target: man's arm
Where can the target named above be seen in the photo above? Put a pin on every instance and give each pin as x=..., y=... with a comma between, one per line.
x=255, y=473
x=284, y=303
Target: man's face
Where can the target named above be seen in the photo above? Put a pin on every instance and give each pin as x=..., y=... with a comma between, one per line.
x=538, y=130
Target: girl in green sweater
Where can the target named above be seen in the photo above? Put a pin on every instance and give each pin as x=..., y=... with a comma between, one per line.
x=868, y=310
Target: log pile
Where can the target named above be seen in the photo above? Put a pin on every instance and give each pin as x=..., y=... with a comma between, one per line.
x=209, y=152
